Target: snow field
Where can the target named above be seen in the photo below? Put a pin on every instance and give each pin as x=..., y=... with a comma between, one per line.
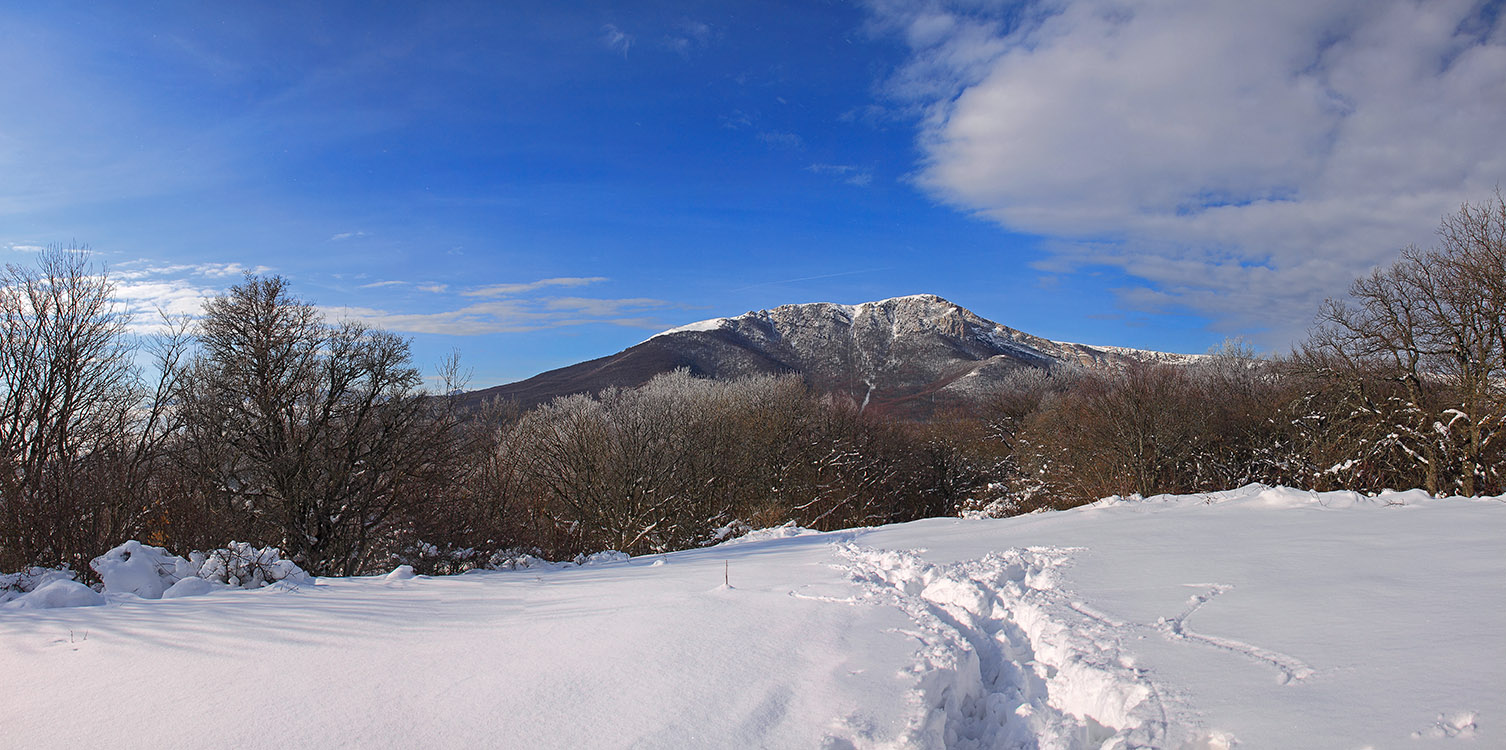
x=1254, y=618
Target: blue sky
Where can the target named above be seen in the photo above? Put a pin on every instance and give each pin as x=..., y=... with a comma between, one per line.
x=539, y=184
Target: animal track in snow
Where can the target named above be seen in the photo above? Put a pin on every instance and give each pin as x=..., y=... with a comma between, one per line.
x=1291, y=668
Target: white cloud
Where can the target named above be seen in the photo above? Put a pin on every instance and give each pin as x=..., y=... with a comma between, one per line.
x=380, y=284
x=503, y=290
x=689, y=36
x=512, y=315
x=171, y=296
x=148, y=289
x=782, y=139
x=845, y=172
x=616, y=39
x=141, y=269
x=347, y=236
x=21, y=248
x=1243, y=159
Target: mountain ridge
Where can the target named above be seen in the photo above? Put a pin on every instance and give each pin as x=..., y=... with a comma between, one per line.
x=887, y=353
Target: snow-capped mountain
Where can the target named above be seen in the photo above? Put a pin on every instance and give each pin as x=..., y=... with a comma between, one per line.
x=894, y=353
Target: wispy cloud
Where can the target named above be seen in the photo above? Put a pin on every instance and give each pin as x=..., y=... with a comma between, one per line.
x=514, y=315
x=782, y=139
x=504, y=290
x=1243, y=160
x=616, y=39
x=847, y=173
x=347, y=236
x=689, y=37
x=813, y=278
x=380, y=284
x=737, y=120
x=22, y=248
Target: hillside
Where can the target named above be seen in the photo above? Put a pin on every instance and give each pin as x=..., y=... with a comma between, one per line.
x=903, y=354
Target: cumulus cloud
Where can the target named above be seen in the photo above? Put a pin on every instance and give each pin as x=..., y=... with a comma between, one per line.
x=1243, y=160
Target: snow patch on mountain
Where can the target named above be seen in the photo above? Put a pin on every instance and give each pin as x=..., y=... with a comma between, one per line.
x=875, y=327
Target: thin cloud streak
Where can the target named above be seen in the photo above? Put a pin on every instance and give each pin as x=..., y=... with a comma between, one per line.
x=812, y=278
x=512, y=316
x=503, y=290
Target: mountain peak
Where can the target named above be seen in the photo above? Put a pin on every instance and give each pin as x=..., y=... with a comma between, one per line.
x=811, y=308
x=905, y=354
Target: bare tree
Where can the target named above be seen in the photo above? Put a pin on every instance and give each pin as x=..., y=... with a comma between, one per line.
x=78, y=428
x=311, y=436
x=1433, y=323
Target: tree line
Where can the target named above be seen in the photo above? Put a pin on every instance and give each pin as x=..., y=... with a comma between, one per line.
x=260, y=421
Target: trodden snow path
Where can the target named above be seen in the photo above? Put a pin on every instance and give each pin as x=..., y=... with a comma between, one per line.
x=1005, y=661
x=1253, y=618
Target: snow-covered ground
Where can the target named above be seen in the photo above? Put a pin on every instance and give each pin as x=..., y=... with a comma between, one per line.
x=1254, y=618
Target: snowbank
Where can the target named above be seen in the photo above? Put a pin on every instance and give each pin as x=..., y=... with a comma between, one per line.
x=1287, y=497
x=777, y=532
x=15, y=585
x=60, y=592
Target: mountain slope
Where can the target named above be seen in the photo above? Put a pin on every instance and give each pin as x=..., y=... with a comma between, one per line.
x=895, y=353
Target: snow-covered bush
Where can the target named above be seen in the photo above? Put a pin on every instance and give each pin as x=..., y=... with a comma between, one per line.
x=140, y=569
x=730, y=530
x=515, y=559
x=604, y=556
x=153, y=573
x=446, y=559
x=16, y=585
x=243, y=566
